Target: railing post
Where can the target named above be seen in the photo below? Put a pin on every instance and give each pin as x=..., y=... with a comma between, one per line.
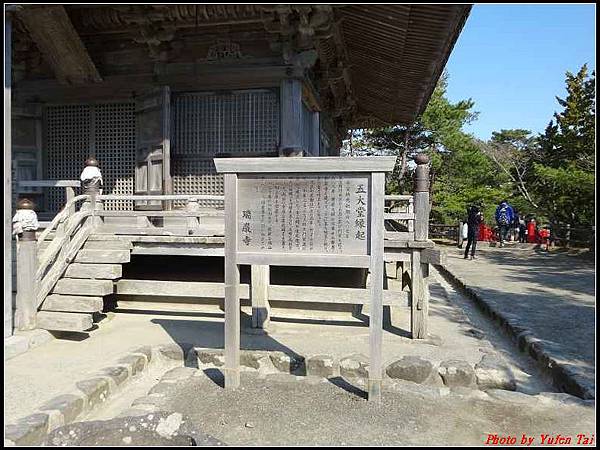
x=568, y=236
x=25, y=225
x=421, y=197
x=70, y=195
x=420, y=271
x=192, y=222
x=459, y=236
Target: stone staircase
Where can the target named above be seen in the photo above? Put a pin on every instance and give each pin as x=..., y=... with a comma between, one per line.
x=78, y=297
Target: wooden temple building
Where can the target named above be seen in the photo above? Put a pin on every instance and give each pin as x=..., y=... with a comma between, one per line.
x=155, y=93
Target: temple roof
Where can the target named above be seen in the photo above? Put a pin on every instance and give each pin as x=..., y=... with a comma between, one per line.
x=370, y=64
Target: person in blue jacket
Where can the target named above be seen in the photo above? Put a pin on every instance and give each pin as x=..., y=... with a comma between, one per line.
x=504, y=218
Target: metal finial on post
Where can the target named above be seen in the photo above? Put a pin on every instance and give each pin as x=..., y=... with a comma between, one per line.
x=91, y=182
x=421, y=197
x=25, y=224
x=91, y=177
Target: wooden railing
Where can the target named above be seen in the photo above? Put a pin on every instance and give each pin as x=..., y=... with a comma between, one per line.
x=400, y=214
x=444, y=231
x=568, y=236
x=71, y=231
x=68, y=185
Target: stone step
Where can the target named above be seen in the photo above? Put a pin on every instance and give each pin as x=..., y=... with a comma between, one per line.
x=63, y=321
x=103, y=256
x=73, y=303
x=77, y=286
x=107, y=245
x=94, y=271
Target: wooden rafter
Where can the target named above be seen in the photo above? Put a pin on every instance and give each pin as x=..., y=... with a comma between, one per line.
x=56, y=38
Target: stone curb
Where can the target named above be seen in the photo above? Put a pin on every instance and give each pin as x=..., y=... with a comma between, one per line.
x=563, y=375
x=355, y=367
x=89, y=394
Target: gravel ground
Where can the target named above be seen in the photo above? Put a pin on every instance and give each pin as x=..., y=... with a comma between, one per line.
x=282, y=410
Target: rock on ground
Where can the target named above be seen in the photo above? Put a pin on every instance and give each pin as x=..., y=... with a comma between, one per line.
x=155, y=429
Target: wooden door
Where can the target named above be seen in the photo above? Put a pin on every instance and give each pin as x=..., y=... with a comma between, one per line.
x=152, y=171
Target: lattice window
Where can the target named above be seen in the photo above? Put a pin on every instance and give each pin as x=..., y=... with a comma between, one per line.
x=200, y=178
x=73, y=132
x=67, y=141
x=240, y=123
x=114, y=125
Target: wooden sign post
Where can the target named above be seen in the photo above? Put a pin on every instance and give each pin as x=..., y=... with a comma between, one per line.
x=323, y=212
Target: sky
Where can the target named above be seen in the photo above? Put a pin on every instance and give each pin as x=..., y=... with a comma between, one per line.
x=511, y=60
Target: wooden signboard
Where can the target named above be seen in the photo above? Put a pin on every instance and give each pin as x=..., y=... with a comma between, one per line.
x=319, y=211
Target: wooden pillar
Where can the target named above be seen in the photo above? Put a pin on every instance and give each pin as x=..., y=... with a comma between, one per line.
x=376, y=287
x=316, y=134
x=259, y=296
x=232, y=281
x=291, y=118
x=26, y=306
x=8, y=304
x=421, y=197
x=419, y=292
x=420, y=271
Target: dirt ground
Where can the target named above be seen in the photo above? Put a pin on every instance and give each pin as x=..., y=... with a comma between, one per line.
x=281, y=411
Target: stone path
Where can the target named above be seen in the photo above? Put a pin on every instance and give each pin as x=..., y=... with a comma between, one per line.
x=551, y=295
x=64, y=362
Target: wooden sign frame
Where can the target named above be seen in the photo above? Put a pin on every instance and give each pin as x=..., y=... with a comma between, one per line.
x=372, y=168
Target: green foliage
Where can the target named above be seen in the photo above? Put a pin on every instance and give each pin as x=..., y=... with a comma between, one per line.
x=564, y=167
x=550, y=175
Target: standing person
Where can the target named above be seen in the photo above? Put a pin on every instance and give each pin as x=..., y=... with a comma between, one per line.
x=504, y=219
x=514, y=231
x=474, y=218
x=522, y=231
x=465, y=231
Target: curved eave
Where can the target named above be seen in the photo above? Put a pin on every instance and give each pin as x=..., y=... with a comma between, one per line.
x=396, y=54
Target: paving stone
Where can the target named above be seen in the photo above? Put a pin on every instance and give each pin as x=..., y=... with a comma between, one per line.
x=96, y=391
x=154, y=429
x=411, y=368
x=145, y=350
x=69, y=405
x=135, y=362
x=321, y=366
x=293, y=364
x=457, y=373
x=178, y=374
x=173, y=352
x=30, y=430
x=493, y=373
x=251, y=359
x=161, y=388
x=354, y=366
x=117, y=373
x=210, y=356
